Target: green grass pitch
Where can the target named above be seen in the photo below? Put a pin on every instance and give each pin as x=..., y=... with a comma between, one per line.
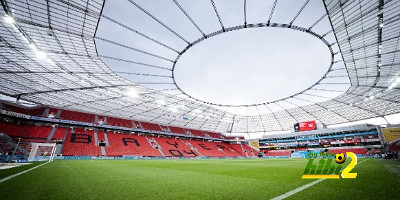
x=195, y=179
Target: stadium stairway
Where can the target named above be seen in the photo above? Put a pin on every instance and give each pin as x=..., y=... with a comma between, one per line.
x=187, y=143
x=154, y=144
x=173, y=147
x=99, y=136
x=251, y=151
x=102, y=136
x=106, y=138
x=96, y=141
x=137, y=125
x=244, y=150
x=239, y=149
x=103, y=151
x=224, y=149
x=59, y=149
x=51, y=134
x=60, y=133
x=207, y=149
x=165, y=128
x=233, y=151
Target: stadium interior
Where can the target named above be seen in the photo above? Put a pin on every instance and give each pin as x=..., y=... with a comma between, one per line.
x=138, y=99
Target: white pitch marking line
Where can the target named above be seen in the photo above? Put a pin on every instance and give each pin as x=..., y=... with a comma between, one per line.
x=292, y=192
x=23, y=172
x=363, y=161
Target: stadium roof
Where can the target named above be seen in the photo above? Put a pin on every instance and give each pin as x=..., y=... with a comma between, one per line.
x=49, y=56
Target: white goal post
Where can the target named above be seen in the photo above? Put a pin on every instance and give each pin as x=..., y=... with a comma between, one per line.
x=42, y=152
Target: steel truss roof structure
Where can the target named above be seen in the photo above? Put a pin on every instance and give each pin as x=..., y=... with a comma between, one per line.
x=49, y=56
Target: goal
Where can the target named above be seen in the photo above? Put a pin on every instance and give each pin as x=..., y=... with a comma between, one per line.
x=42, y=152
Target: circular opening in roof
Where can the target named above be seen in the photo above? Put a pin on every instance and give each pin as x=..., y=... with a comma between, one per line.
x=252, y=66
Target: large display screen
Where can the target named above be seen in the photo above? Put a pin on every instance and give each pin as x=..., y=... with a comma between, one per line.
x=305, y=126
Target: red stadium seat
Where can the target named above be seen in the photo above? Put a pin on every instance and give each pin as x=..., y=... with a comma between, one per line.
x=196, y=132
x=175, y=147
x=77, y=116
x=27, y=132
x=119, y=122
x=207, y=149
x=177, y=130
x=81, y=143
x=129, y=145
x=150, y=126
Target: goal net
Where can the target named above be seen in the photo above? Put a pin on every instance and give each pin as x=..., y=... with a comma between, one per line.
x=42, y=152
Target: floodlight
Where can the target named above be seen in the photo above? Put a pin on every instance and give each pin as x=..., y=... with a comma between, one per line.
x=133, y=93
x=173, y=109
x=41, y=55
x=9, y=20
x=161, y=102
x=50, y=61
x=181, y=107
x=33, y=47
x=197, y=111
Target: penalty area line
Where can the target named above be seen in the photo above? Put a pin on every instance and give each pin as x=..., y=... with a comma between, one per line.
x=299, y=189
x=19, y=173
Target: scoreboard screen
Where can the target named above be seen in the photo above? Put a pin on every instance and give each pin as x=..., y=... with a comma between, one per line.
x=305, y=126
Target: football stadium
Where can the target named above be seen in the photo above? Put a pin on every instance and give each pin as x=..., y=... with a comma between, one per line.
x=200, y=99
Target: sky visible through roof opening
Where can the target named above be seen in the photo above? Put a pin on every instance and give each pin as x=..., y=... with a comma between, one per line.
x=252, y=66
x=248, y=66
